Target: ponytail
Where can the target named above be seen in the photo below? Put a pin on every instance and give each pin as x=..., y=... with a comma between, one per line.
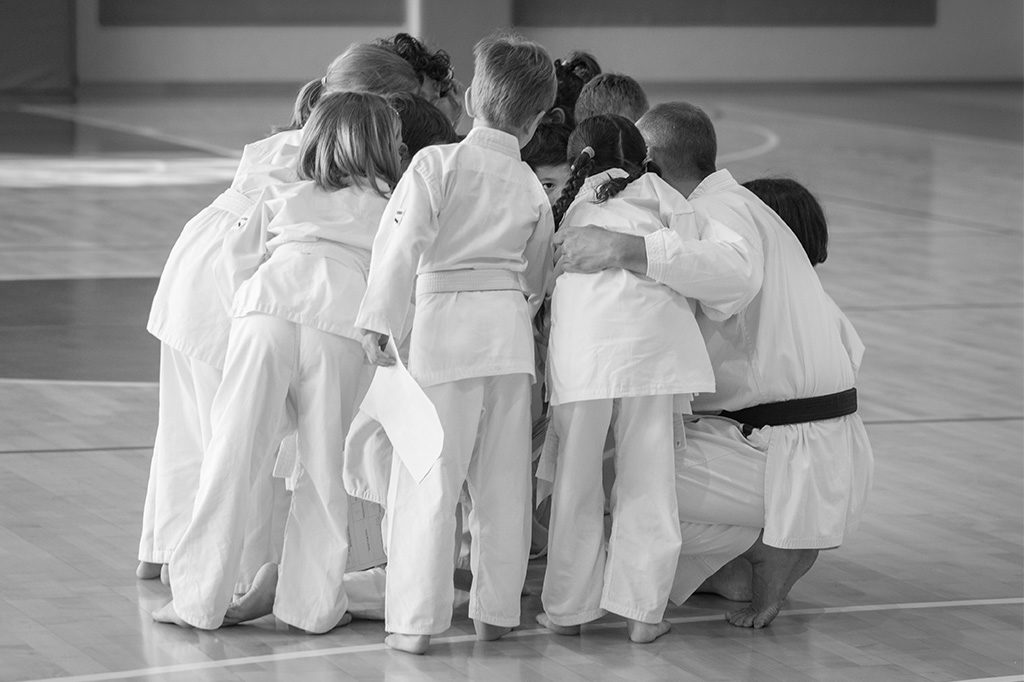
x=613, y=186
x=308, y=96
x=577, y=174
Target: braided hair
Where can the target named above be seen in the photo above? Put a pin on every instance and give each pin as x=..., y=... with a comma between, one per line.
x=598, y=144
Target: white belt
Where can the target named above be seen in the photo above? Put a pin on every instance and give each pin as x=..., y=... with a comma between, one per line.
x=234, y=202
x=448, y=281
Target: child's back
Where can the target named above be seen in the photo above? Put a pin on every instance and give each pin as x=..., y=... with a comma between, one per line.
x=485, y=207
x=470, y=226
x=615, y=334
x=186, y=313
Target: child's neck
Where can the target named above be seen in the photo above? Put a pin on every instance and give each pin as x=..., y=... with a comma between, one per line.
x=517, y=133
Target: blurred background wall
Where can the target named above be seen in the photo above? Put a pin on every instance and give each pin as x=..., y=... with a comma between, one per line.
x=682, y=41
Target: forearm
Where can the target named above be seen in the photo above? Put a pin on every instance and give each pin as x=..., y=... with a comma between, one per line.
x=723, y=275
x=630, y=253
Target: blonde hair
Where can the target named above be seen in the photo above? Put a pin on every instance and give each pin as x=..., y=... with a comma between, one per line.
x=513, y=80
x=351, y=138
x=370, y=68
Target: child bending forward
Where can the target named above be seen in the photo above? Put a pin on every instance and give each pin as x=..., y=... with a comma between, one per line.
x=301, y=262
x=470, y=225
x=623, y=351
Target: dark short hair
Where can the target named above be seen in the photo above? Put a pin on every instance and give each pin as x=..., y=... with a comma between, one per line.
x=681, y=138
x=423, y=124
x=611, y=93
x=548, y=145
x=799, y=209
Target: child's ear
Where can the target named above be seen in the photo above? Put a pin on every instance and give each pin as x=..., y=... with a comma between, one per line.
x=403, y=151
x=556, y=115
x=469, y=101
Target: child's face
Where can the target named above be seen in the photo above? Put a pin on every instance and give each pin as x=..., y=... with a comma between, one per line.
x=553, y=179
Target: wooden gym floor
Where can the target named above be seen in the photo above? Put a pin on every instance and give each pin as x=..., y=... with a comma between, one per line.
x=923, y=189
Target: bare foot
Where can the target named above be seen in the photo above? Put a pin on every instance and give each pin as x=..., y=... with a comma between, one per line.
x=485, y=632
x=412, y=644
x=167, y=614
x=732, y=581
x=567, y=630
x=645, y=633
x=774, y=572
x=165, y=574
x=258, y=601
x=147, y=570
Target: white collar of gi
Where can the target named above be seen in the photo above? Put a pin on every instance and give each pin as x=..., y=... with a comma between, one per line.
x=498, y=140
x=598, y=179
x=717, y=181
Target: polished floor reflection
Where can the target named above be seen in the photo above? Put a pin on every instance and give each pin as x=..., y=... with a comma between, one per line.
x=923, y=189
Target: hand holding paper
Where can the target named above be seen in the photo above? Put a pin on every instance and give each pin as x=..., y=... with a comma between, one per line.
x=375, y=347
x=409, y=418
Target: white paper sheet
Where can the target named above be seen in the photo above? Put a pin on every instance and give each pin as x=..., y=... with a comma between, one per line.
x=365, y=542
x=407, y=415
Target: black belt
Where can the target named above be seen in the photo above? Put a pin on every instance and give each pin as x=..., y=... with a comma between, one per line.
x=798, y=411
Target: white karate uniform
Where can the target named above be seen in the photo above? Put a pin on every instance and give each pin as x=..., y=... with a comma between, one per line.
x=788, y=340
x=472, y=210
x=291, y=346
x=621, y=348
x=192, y=322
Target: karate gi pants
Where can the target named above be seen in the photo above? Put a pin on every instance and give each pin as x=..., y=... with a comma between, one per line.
x=634, y=575
x=187, y=388
x=272, y=362
x=720, y=489
x=486, y=424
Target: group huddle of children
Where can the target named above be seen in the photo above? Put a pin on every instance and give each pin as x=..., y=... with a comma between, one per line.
x=367, y=220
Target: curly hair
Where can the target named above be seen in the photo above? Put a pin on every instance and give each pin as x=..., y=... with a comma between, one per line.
x=435, y=65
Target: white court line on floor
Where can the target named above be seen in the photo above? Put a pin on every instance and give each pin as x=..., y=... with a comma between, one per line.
x=771, y=141
x=142, y=131
x=83, y=383
x=518, y=634
x=1008, y=678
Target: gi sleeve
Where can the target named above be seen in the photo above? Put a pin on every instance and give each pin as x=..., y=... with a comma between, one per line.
x=539, y=254
x=722, y=269
x=409, y=225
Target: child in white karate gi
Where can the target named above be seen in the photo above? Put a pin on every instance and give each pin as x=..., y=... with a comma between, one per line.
x=624, y=352
x=192, y=321
x=470, y=225
x=292, y=347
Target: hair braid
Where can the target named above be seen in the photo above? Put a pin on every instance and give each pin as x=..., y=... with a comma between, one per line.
x=578, y=173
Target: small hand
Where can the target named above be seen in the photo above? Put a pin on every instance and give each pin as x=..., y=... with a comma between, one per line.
x=375, y=345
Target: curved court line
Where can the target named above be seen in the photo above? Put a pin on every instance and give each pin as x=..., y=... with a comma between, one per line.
x=771, y=141
x=141, y=131
x=518, y=634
